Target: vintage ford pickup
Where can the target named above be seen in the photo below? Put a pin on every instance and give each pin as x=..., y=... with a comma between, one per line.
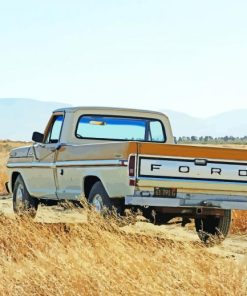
x=127, y=158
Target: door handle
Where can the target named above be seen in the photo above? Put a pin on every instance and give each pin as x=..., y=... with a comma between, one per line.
x=57, y=147
x=41, y=145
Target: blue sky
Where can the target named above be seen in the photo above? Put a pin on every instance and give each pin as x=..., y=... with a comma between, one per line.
x=189, y=56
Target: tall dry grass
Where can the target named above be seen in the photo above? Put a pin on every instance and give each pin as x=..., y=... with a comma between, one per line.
x=5, y=147
x=239, y=224
x=100, y=258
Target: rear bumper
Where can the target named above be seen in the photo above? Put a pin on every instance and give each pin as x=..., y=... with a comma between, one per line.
x=191, y=201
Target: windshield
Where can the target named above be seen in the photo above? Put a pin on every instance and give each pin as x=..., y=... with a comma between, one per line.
x=120, y=128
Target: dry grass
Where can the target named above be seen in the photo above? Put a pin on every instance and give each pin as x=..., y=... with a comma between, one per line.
x=3, y=180
x=239, y=222
x=5, y=147
x=100, y=258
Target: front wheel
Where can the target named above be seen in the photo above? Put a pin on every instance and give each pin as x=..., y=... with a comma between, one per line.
x=99, y=198
x=213, y=229
x=23, y=203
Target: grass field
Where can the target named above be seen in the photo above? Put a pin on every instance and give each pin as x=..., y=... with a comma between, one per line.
x=100, y=258
x=5, y=147
x=54, y=256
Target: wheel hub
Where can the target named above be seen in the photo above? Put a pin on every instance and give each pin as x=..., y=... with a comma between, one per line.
x=20, y=197
x=98, y=203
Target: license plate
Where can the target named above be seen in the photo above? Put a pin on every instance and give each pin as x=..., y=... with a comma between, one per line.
x=165, y=192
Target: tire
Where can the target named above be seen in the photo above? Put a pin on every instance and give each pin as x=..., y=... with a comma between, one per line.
x=23, y=203
x=213, y=229
x=99, y=198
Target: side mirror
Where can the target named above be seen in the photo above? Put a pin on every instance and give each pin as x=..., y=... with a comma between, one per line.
x=38, y=137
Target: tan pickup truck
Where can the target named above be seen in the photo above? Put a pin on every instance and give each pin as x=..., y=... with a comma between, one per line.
x=127, y=158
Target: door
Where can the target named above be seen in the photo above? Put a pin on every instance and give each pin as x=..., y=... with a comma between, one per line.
x=44, y=167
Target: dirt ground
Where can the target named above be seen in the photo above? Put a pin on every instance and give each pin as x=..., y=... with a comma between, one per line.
x=234, y=246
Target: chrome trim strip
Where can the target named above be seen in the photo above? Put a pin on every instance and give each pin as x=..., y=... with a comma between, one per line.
x=71, y=163
x=88, y=163
x=18, y=157
x=192, y=158
x=31, y=165
x=172, y=180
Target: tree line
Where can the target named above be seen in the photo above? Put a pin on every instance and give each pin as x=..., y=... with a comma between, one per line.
x=211, y=140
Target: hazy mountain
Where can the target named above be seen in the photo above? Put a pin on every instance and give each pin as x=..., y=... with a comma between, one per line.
x=20, y=117
x=232, y=123
x=183, y=124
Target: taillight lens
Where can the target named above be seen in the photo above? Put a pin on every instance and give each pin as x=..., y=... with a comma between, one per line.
x=132, y=165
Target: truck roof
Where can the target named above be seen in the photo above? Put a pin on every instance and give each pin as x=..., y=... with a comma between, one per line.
x=75, y=109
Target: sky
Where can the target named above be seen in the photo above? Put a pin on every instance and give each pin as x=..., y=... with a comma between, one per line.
x=188, y=56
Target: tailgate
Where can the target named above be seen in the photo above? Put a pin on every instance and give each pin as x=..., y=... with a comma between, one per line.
x=193, y=169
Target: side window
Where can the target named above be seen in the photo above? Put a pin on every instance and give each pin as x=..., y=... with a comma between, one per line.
x=55, y=130
x=156, y=132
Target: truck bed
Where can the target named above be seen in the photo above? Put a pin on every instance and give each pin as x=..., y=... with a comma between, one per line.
x=193, y=169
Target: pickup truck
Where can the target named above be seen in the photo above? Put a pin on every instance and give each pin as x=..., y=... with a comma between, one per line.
x=121, y=158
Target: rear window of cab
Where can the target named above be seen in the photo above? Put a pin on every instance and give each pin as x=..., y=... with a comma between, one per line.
x=120, y=128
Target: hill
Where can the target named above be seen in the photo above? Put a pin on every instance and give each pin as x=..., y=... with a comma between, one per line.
x=20, y=117
x=232, y=123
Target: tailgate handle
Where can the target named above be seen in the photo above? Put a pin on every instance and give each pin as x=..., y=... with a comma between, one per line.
x=202, y=162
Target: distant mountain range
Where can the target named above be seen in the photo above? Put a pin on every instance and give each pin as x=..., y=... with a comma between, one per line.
x=20, y=117
x=232, y=123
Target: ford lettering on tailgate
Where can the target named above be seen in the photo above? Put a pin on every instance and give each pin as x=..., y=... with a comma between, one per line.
x=193, y=169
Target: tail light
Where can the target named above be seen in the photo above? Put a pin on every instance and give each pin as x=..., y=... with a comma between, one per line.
x=132, y=165
x=132, y=169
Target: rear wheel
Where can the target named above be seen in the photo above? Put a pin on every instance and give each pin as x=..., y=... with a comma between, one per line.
x=23, y=203
x=101, y=201
x=213, y=229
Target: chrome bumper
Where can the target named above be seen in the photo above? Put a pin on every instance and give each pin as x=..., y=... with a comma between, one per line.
x=226, y=202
